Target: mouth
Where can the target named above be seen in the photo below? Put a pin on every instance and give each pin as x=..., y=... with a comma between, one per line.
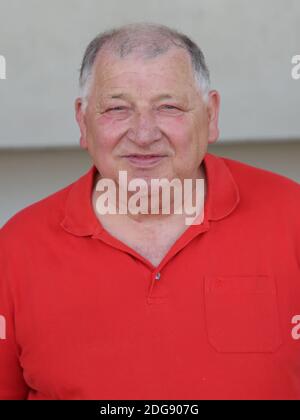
x=144, y=160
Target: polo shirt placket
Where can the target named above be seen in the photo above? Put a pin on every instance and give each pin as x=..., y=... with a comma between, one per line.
x=215, y=208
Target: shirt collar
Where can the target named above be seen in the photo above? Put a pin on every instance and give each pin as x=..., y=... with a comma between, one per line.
x=222, y=198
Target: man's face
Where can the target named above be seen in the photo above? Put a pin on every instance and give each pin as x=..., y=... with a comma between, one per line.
x=147, y=117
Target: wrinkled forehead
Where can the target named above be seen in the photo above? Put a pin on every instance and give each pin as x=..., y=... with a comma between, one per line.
x=171, y=69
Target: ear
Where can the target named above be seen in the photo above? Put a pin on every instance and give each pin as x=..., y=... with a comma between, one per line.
x=213, y=108
x=81, y=121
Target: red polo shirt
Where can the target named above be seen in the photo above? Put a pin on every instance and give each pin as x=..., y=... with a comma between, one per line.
x=87, y=317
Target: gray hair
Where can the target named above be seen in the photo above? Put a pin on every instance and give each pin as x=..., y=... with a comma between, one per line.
x=148, y=39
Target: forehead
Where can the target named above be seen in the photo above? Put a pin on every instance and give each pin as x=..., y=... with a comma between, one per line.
x=172, y=70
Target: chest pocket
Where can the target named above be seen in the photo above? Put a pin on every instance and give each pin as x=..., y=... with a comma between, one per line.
x=242, y=314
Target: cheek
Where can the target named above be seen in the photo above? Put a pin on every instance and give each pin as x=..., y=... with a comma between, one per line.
x=107, y=131
x=180, y=132
x=172, y=126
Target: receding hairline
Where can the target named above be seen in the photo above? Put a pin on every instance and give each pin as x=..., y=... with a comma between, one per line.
x=145, y=41
x=151, y=44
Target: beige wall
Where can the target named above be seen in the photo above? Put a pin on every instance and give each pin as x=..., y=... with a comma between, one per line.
x=29, y=175
x=248, y=44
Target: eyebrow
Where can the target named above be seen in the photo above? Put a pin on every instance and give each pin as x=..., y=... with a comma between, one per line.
x=118, y=96
x=158, y=97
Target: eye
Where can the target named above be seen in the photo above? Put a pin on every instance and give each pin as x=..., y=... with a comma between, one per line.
x=116, y=108
x=169, y=107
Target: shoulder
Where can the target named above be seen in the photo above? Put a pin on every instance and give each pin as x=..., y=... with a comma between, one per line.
x=272, y=197
x=258, y=181
x=35, y=218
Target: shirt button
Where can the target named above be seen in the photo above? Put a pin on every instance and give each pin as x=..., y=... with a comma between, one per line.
x=157, y=277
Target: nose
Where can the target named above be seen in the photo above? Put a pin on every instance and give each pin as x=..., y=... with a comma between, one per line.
x=144, y=129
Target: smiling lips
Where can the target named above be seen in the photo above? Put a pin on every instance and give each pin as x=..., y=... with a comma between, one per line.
x=144, y=160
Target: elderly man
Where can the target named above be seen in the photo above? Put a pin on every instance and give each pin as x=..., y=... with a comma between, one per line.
x=141, y=305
